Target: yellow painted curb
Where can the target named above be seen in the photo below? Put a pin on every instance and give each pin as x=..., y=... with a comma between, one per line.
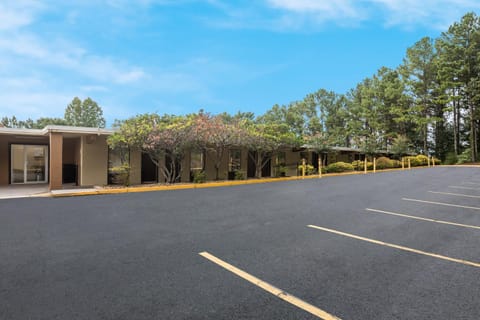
x=215, y=184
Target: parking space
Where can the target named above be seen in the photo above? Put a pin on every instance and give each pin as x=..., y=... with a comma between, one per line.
x=395, y=245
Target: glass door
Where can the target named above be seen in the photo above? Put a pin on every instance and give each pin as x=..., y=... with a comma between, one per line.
x=29, y=163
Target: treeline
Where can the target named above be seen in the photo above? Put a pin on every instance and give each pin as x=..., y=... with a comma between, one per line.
x=86, y=113
x=430, y=101
x=427, y=105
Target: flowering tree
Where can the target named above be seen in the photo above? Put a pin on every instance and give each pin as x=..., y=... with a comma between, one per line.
x=169, y=141
x=130, y=135
x=267, y=139
x=214, y=135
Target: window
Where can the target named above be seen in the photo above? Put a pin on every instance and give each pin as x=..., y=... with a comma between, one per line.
x=235, y=160
x=196, y=160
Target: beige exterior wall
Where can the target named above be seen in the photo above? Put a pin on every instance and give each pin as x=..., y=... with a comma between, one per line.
x=292, y=159
x=135, y=167
x=210, y=166
x=94, y=161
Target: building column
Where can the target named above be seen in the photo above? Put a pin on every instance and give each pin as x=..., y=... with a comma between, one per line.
x=56, y=161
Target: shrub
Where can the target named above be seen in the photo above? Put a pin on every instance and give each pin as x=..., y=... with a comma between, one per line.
x=309, y=169
x=384, y=163
x=199, y=176
x=396, y=163
x=451, y=158
x=121, y=174
x=413, y=161
x=465, y=156
x=359, y=165
x=422, y=160
x=437, y=161
x=239, y=175
x=339, y=167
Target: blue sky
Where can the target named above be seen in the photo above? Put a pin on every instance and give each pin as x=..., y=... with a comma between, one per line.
x=177, y=56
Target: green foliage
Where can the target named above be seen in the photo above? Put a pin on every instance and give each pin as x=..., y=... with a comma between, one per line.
x=84, y=113
x=240, y=175
x=400, y=146
x=464, y=157
x=121, y=174
x=451, y=158
x=359, y=165
x=309, y=169
x=384, y=163
x=339, y=167
x=280, y=171
x=422, y=160
x=199, y=176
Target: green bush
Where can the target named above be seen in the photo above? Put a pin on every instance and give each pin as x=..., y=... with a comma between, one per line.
x=396, y=163
x=199, y=176
x=309, y=169
x=121, y=174
x=465, y=156
x=451, y=158
x=339, y=167
x=239, y=175
x=359, y=165
x=384, y=163
x=413, y=162
x=422, y=160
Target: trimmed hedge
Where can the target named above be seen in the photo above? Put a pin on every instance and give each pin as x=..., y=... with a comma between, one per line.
x=339, y=167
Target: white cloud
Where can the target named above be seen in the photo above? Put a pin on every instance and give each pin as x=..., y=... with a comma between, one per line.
x=436, y=14
x=15, y=14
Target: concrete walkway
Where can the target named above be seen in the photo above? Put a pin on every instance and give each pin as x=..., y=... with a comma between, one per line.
x=23, y=191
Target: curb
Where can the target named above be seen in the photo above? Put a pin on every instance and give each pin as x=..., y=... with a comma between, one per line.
x=214, y=184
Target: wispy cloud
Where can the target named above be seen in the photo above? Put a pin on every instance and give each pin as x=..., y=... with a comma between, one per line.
x=436, y=14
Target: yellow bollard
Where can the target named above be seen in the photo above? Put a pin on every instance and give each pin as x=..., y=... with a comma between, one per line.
x=365, y=172
x=433, y=162
x=319, y=167
x=303, y=168
x=428, y=161
x=409, y=165
x=403, y=163
x=374, y=165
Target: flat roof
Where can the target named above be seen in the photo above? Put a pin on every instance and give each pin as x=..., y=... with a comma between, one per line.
x=55, y=128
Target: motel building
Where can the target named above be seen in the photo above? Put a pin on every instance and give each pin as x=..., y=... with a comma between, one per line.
x=65, y=157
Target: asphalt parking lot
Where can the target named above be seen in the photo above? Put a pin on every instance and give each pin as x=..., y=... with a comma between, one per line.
x=394, y=245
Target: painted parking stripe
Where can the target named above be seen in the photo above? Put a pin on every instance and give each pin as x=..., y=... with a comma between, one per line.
x=396, y=246
x=465, y=188
x=475, y=183
x=442, y=204
x=269, y=288
x=423, y=219
x=455, y=194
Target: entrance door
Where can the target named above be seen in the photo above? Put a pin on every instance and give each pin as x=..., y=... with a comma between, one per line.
x=29, y=164
x=149, y=170
x=267, y=168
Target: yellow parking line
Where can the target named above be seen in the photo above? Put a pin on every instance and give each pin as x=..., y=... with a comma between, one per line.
x=466, y=188
x=271, y=289
x=424, y=219
x=455, y=194
x=442, y=204
x=391, y=245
